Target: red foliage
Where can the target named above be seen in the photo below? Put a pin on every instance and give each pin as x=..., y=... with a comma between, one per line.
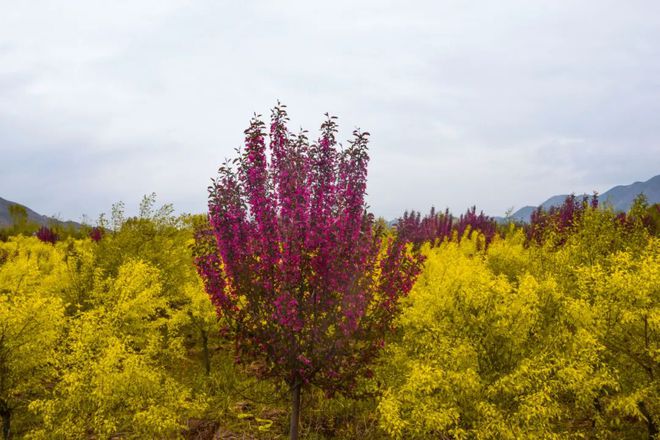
x=560, y=219
x=290, y=256
x=47, y=235
x=96, y=234
x=435, y=228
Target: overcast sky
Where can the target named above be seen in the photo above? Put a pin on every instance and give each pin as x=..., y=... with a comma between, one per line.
x=494, y=103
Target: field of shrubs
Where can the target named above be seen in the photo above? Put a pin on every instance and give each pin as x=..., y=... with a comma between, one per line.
x=548, y=330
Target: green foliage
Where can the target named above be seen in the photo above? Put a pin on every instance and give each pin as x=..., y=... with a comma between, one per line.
x=18, y=216
x=20, y=223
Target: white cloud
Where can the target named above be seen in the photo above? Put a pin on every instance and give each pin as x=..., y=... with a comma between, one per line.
x=487, y=103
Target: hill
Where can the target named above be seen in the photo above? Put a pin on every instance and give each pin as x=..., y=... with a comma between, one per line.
x=33, y=216
x=619, y=197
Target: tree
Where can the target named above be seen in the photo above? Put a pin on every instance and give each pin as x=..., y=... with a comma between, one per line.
x=96, y=233
x=199, y=319
x=292, y=262
x=438, y=227
x=550, y=337
x=486, y=356
x=113, y=376
x=31, y=320
x=559, y=221
x=47, y=235
x=19, y=217
x=624, y=298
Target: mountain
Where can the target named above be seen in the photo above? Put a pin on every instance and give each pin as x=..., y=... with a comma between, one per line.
x=620, y=198
x=33, y=217
x=525, y=213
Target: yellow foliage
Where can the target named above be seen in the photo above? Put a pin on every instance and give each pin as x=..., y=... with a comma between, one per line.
x=112, y=378
x=95, y=349
x=489, y=350
x=31, y=320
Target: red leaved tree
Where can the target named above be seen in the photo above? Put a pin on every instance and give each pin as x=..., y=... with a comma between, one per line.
x=435, y=227
x=293, y=262
x=47, y=235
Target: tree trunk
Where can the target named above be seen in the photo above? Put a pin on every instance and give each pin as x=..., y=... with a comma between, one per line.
x=6, y=419
x=295, y=410
x=205, y=352
x=650, y=423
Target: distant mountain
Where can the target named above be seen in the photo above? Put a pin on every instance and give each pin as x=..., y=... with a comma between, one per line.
x=620, y=198
x=525, y=213
x=34, y=217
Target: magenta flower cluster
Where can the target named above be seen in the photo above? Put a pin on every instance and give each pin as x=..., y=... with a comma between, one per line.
x=291, y=260
x=47, y=235
x=437, y=227
x=559, y=219
x=96, y=234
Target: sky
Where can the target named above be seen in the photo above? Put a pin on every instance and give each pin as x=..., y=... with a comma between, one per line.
x=496, y=104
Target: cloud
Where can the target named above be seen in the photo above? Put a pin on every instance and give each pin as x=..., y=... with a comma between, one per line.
x=487, y=103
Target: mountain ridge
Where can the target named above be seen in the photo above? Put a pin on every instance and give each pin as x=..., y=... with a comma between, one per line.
x=620, y=197
x=32, y=216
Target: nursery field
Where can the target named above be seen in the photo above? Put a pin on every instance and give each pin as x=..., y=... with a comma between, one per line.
x=453, y=233
x=289, y=311
x=541, y=331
